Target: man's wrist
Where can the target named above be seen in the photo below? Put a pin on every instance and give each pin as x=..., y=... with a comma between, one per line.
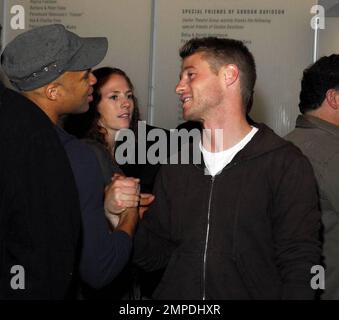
x=128, y=220
x=115, y=212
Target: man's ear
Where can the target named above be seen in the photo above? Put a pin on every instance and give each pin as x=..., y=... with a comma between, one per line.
x=52, y=91
x=229, y=73
x=332, y=98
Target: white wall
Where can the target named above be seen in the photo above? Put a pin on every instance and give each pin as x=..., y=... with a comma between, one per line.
x=329, y=37
x=126, y=24
x=282, y=45
x=282, y=48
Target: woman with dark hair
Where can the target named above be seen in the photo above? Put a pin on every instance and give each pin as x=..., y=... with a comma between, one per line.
x=114, y=107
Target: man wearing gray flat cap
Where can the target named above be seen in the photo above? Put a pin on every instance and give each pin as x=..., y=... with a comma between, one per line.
x=41, y=55
x=51, y=66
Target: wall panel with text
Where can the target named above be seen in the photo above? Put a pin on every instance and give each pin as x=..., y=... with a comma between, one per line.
x=277, y=32
x=145, y=35
x=126, y=24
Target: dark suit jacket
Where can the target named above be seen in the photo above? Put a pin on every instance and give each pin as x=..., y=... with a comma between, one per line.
x=39, y=205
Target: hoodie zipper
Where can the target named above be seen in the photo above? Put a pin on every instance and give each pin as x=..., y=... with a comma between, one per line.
x=208, y=228
x=207, y=236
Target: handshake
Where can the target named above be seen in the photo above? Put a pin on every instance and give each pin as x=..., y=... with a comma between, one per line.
x=123, y=197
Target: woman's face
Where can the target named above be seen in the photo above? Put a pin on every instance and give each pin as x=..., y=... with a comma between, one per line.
x=116, y=104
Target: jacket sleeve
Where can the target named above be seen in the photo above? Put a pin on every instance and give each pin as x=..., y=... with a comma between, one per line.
x=296, y=226
x=331, y=182
x=104, y=254
x=152, y=244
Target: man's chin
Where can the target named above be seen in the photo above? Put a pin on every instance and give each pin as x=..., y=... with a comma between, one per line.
x=82, y=109
x=189, y=116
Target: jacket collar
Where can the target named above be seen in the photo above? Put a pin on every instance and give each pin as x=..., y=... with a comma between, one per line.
x=310, y=122
x=264, y=141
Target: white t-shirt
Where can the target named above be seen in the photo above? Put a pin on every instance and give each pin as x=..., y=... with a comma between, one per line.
x=216, y=161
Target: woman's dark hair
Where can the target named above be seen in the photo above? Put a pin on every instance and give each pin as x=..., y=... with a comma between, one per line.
x=86, y=125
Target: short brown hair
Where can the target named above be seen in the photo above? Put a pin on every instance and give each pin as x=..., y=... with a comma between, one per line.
x=219, y=51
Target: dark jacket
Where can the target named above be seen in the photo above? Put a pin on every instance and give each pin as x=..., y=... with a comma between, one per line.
x=146, y=172
x=120, y=286
x=107, y=165
x=39, y=206
x=251, y=232
x=319, y=141
x=103, y=253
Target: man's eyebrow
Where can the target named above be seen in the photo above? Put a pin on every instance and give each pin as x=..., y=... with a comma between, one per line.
x=188, y=67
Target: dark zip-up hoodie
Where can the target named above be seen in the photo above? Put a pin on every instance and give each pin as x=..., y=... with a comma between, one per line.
x=251, y=232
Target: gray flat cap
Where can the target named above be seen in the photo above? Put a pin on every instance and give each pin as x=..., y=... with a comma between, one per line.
x=39, y=56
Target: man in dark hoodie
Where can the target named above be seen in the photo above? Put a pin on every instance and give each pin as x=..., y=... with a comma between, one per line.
x=244, y=223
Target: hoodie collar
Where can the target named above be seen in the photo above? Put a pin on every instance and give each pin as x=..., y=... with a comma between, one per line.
x=264, y=141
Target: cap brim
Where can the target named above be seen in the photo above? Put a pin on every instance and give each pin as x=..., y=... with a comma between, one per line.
x=91, y=53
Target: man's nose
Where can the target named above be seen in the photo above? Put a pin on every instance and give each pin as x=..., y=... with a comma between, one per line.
x=92, y=79
x=180, y=87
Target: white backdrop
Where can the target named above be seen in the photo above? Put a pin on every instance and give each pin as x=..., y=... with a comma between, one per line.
x=329, y=37
x=282, y=45
x=145, y=35
x=126, y=24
